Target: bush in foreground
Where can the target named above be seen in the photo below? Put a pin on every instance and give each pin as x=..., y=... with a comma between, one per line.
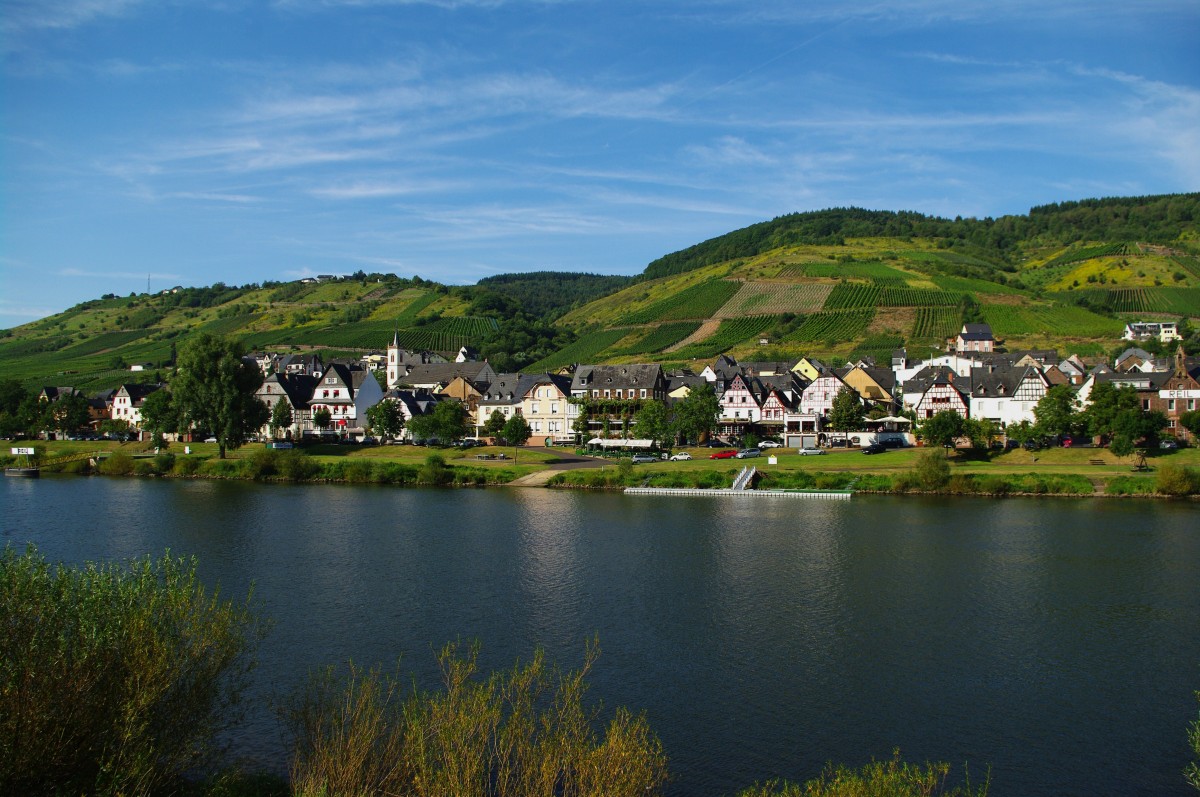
x=115, y=680
x=519, y=733
x=892, y=778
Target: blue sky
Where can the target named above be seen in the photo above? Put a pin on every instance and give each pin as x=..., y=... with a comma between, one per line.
x=242, y=141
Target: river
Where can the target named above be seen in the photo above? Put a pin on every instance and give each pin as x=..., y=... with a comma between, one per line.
x=1056, y=641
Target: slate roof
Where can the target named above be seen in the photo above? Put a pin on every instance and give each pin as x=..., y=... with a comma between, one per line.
x=445, y=373
x=999, y=382
x=639, y=375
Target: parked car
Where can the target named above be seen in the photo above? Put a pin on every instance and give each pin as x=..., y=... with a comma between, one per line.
x=727, y=454
x=682, y=456
x=714, y=443
x=770, y=444
x=838, y=443
x=893, y=442
x=1031, y=445
x=642, y=459
x=808, y=452
x=874, y=448
x=1168, y=442
x=748, y=453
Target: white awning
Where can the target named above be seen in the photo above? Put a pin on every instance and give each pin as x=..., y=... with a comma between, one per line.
x=601, y=443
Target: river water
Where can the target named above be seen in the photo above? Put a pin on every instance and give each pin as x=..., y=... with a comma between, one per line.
x=1056, y=641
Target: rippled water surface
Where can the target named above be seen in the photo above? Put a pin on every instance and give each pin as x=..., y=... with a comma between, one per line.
x=1056, y=641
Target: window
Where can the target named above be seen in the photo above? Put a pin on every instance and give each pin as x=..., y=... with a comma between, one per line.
x=1170, y=405
x=331, y=380
x=534, y=408
x=554, y=408
x=608, y=394
x=643, y=391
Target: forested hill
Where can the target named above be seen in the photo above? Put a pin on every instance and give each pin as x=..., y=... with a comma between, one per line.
x=1151, y=219
x=549, y=294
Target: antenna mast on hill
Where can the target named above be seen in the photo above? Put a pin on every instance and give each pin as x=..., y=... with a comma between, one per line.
x=147, y=283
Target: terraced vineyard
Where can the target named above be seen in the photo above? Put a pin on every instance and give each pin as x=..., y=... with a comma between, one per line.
x=853, y=296
x=873, y=270
x=583, y=350
x=775, y=298
x=1065, y=320
x=728, y=335
x=697, y=302
x=103, y=342
x=1183, y=301
x=658, y=339
x=918, y=297
x=832, y=327
x=936, y=323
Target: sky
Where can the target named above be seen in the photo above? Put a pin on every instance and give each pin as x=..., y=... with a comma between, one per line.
x=185, y=142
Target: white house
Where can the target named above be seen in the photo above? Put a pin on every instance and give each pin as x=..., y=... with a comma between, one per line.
x=347, y=392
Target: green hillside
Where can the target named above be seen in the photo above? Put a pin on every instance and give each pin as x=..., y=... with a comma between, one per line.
x=834, y=284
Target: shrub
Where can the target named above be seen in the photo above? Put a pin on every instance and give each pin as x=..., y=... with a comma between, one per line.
x=932, y=471
x=144, y=467
x=116, y=464
x=262, y=463
x=521, y=732
x=1177, y=480
x=164, y=462
x=1130, y=485
x=358, y=471
x=115, y=679
x=993, y=484
x=297, y=466
x=893, y=778
x=434, y=471
x=187, y=466
x=395, y=473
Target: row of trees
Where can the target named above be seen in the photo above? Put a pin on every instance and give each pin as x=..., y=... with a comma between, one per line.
x=1114, y=416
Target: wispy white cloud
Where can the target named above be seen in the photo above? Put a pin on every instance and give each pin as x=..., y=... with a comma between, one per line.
x=79, y=273
x=24, y=15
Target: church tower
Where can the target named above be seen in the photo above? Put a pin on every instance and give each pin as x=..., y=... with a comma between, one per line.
x=393, y=361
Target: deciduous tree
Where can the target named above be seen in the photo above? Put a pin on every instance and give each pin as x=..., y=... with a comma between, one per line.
x=942, y=429
x=385, y=419
x=696, y=416
x=214, y=391
x=281, y=417
x=846, y=414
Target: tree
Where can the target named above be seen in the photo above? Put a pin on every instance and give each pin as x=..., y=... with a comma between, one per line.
x=696, y=416
x=68, y=414
x=322, y=417
x=1056, y=412
x=981, y=432
x=517, y=430
x=159, y=415
x=1020, y=432
x=494, y=425
x=847, y=411
x=1105, y=404
x=653, y=422
x=385, y=419
x=214, y=391
x=1191, y=421
x=12, y=395
x=446, y=422
x=282, y=417
x=942, y=429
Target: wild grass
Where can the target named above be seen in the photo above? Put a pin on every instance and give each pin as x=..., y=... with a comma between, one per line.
x=116, y=679
x=521, y=733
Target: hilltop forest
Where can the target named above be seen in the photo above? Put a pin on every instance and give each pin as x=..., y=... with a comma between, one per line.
x=838, y=284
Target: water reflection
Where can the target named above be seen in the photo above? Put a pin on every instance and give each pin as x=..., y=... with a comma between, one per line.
x=1054, y=640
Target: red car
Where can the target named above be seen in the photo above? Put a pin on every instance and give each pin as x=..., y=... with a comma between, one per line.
x=730, y=454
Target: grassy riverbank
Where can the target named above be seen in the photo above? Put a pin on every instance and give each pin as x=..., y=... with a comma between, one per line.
x=1056, y=471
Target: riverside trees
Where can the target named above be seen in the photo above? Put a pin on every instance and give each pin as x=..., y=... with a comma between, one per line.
x=214, y=391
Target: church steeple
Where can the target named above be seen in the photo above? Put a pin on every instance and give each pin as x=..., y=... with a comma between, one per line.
x=393, y=361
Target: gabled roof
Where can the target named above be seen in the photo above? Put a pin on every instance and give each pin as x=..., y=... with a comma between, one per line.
x=990, y=382
x=297, y=387
x=506, y=389
x=639, y=375
x=976, y=332
x=445, y=373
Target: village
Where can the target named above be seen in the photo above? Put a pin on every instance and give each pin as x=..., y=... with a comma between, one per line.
x=789, y=403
